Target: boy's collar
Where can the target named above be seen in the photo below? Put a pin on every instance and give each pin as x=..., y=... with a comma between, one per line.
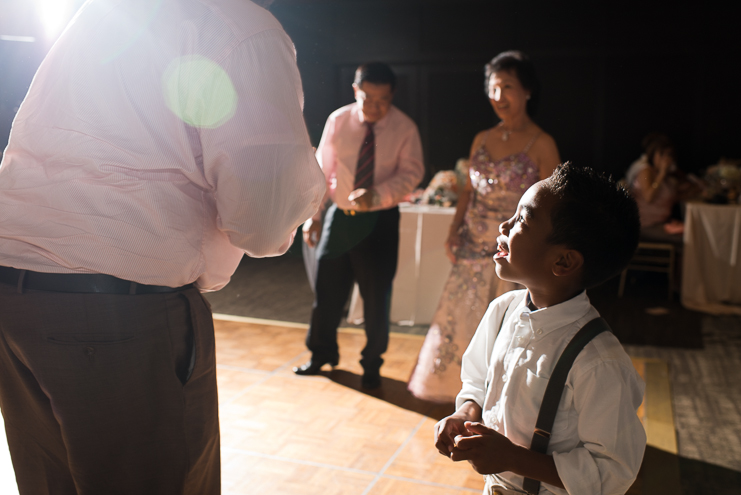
x=545, y=320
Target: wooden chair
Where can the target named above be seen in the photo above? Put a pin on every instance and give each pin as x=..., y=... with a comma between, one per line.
x=652, y=257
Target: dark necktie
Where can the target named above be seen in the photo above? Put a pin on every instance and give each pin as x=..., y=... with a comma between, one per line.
x=366, y=160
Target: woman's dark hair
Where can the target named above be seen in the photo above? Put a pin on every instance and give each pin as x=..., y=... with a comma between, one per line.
x=596, y=217
x=375, y=73
x=518, y=63
x=656, y=141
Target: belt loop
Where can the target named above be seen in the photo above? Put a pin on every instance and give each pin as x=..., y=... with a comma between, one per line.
x=132, y=289
x=21, y=277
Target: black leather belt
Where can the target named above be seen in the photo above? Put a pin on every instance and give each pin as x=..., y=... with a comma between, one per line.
x=85, y=283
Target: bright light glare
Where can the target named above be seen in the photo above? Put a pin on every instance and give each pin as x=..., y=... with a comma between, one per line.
x=54, y=15
x=12, y=37
x=135, y=25
x=8, y=485
x=199, y=91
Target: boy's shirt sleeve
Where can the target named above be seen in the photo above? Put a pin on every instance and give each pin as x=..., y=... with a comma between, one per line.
x=612, y=439
x=475, y=361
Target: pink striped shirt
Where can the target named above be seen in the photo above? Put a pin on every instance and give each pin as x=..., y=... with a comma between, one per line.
x=159, y=142
x=399, y=167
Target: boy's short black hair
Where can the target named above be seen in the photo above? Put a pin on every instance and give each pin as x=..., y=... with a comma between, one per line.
x=375, y=73
x=596, y=217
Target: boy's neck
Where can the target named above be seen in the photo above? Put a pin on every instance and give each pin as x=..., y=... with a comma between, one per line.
x=545, y=297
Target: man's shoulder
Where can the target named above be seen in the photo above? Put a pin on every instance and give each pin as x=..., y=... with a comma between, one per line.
x=343, y=113
x=243, y=17
x=346, y=110
x=401, y=119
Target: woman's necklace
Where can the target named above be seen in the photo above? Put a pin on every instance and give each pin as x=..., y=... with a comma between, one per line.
x=506, y=132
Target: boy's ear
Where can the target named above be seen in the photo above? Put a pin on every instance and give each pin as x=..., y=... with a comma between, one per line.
x=568, y=263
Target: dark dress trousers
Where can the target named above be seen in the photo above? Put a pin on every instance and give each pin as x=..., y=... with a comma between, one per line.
x=362, y=247
x=109, y=393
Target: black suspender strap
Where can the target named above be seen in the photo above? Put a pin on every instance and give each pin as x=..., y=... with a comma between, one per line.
x=554, y=390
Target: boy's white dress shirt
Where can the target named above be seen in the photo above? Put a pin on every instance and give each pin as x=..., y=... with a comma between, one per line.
x=597, y=440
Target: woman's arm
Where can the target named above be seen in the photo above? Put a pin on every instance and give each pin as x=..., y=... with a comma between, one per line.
x=453, y=240
x=460, y=209
x=464, y=197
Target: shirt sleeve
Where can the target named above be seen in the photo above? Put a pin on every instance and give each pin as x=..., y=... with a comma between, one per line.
x=478, y=355
x=612, y=438
x=260, y=162
x=327, y=157
x=409, y=172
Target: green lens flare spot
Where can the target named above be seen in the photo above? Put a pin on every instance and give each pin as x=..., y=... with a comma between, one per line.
x=199, y=92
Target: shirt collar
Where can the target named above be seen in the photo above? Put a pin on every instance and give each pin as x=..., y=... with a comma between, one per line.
x=380, y=124
x=546, y=320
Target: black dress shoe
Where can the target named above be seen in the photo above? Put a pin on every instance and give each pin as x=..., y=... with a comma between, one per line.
x=313, y=367
x=371, y=381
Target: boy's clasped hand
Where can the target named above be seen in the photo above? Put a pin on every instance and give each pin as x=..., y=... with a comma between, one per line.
x=487, y=450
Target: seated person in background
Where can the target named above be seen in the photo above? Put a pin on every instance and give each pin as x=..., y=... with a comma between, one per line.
x=570, y=232
x=654, y=187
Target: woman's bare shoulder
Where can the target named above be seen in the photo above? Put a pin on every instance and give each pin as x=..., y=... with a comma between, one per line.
x=545, y=141
x=481, y=136
x=545, y=153
x=479, y=139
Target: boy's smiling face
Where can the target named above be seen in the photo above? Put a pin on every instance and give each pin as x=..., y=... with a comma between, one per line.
x=525, y=256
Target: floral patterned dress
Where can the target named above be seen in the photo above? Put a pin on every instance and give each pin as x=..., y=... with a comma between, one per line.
x=473, y=284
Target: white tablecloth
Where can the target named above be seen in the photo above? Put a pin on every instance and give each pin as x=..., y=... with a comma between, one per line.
x=711, y=275
x=423, y=267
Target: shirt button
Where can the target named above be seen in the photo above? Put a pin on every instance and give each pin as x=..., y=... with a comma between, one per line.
x=540, y=331
x=504, y=378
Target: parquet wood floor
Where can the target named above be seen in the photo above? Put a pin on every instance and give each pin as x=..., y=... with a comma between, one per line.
x=282, y=433
x=285, y=434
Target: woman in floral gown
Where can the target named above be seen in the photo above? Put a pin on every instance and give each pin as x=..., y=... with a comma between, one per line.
x=505, y=161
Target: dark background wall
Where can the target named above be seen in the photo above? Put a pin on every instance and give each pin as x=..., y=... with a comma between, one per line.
x=610, y=74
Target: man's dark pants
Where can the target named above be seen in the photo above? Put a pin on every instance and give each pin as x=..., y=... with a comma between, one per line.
x=364, y=248
x=104, y=394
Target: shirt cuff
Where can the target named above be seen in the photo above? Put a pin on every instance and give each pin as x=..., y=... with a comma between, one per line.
x=319, y=215
x=464, y=397
x=385, y=198
x=286, y=245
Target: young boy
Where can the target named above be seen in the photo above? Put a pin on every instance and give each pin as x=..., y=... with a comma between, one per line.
x=571, y=232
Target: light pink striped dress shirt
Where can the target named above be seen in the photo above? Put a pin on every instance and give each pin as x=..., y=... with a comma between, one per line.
x=159, y=142
x=399, y=167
